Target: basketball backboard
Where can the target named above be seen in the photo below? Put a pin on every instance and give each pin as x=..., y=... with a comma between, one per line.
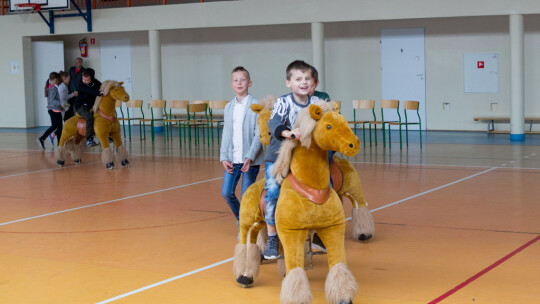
x=45, y=4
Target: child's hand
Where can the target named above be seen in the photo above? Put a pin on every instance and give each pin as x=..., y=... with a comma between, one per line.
x=247, y=164
x=228, y=166
x=75, y=93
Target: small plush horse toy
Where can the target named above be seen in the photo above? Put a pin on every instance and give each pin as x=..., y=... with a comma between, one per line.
x=307, y=202
x=105, y=125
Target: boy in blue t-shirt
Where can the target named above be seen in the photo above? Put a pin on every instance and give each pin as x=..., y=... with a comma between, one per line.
x=283, y=117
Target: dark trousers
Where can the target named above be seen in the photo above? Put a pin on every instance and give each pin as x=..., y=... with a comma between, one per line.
x=71, y=110
x=56, y=124
x=89, y=116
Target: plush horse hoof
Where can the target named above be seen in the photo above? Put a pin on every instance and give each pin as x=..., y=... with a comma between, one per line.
x=110, y=165
x=364, y=237
x=125, y=162
x=343, y=302
x=60, y=163
x=77, y=161
x=244, y=281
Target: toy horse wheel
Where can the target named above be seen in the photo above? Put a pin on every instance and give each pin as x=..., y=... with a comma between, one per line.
x=77, y=161
x=60, y=163
x=125, y=162
x=110, y=165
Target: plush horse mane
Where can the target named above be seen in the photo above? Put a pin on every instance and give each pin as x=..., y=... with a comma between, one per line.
x=105, y=88
x=306, y=124
x=268, y=102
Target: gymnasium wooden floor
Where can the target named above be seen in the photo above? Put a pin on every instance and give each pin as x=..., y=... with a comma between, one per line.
x=455, y=223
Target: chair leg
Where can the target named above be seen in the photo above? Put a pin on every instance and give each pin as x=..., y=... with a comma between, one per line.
x=375, y=132
x=152, y=129
x=179, y=135
x=407, y=135
x=364, y=136
x=383, y=136
x=389, y=137
x=420, y=130
x=400, y=140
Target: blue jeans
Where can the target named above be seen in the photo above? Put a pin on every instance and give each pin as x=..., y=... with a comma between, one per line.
x=230, y=180
x=272, y=194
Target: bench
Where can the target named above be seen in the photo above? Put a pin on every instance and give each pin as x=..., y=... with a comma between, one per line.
x=492, y=119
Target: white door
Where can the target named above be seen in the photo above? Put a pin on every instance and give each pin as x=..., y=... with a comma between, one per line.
x=403, y=70
x=116, y=64
x=47, y=57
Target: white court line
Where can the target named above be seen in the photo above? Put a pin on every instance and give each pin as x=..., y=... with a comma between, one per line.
x=47, y=170
x=166, y=281
x=108, y=202
x=421, y=165
x=432, y=190
x=231, y=259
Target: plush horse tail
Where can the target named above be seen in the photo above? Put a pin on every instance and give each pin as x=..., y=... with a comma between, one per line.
x=247, y=260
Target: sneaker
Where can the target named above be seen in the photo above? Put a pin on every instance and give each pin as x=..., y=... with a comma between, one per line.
x=41, y=142
x=90, y=142
x=272, y=244
x=51, y=139
x=317, y=243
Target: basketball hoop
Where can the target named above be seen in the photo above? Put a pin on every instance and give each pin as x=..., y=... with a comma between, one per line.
x=24, y=9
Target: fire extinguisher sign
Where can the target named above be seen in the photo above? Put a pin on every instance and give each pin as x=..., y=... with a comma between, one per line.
x=480, y=64
x=92, y=40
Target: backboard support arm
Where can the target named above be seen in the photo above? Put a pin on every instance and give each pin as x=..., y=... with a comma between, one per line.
x=86, y=16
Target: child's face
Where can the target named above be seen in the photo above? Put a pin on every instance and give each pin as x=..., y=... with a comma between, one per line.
x=240, y=83
x=300, y=82
x=87, y=80
x=66, y=79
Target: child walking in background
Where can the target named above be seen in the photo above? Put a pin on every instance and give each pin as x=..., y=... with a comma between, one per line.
x=54, y=104
x=63, y=92
x=283, y=117
x=241, y=150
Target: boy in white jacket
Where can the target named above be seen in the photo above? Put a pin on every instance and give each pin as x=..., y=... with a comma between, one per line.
x=241, y=150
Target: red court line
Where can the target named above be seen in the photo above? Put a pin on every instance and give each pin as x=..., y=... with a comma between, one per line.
x=481, y=273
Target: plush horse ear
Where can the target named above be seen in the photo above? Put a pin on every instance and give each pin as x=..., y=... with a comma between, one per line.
x=257, y=108
x=121, y=82
x=315, y=111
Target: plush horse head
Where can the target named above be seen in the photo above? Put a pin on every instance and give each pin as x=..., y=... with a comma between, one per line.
x=114, y=91
x=264, y=109
x=321, y=129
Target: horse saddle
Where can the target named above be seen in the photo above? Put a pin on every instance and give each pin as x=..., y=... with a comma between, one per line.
x=314, y=195
x=81, y=122
x=81, y=126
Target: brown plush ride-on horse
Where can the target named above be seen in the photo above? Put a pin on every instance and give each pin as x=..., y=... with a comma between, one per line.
x=307, y=202
x=345, y=179
x=105, y=125
x=252, y=238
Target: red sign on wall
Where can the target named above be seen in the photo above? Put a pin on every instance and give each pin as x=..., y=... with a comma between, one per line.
x=92, y=41
x=480, y=64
